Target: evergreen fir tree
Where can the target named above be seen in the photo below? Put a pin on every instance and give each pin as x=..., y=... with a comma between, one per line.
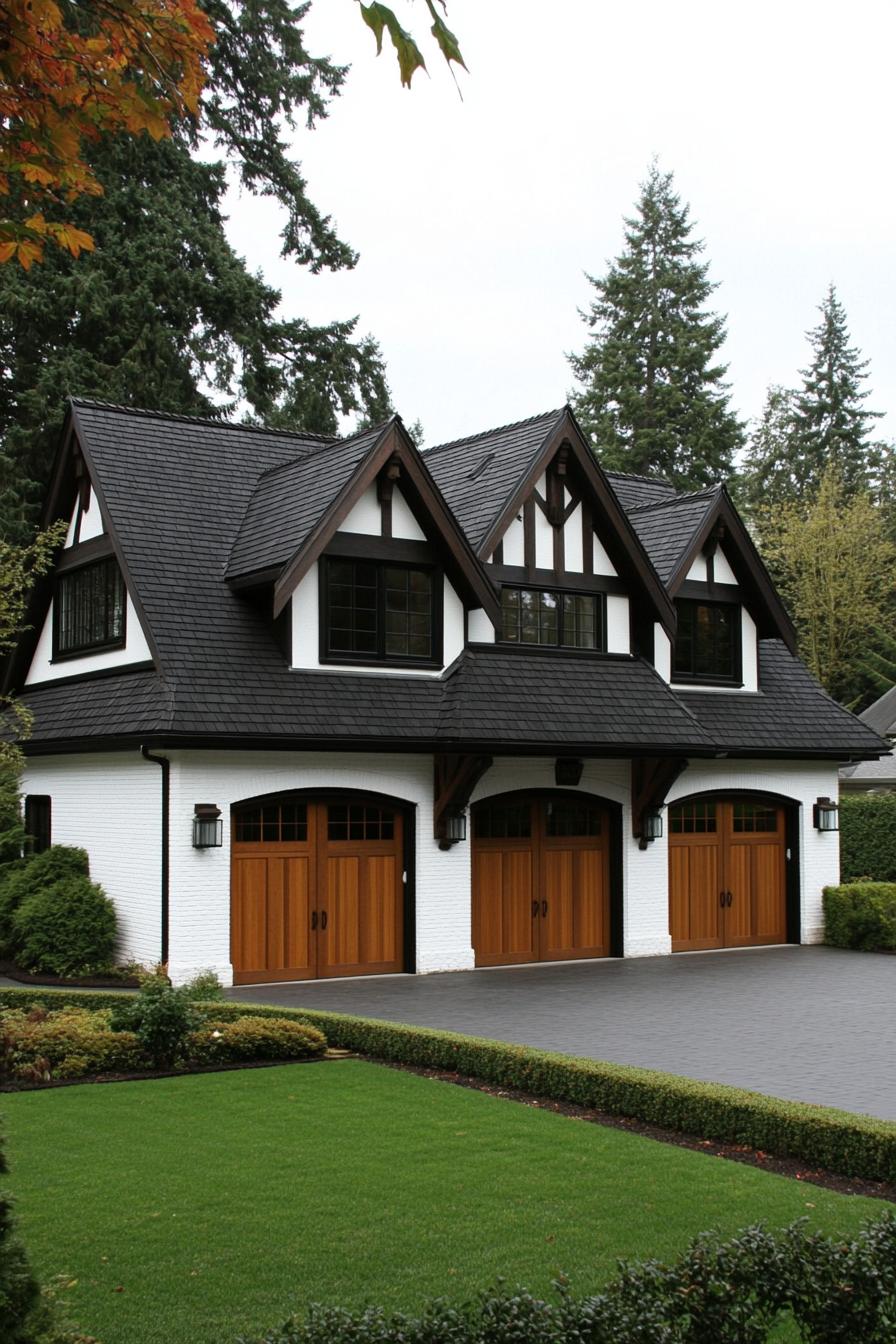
x=164, y=314
x=652, y=397
x=831, y=426
x=767, y=471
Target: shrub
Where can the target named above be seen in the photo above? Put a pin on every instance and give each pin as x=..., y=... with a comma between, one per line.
x=19, y=1291
x=70, y=1043
x=868, y=836
x=66, y=928
x=718, y=1292
x=861, y=915
x=25, y=877
x=162, y=1019
x=204, y=988
x=256, y=1038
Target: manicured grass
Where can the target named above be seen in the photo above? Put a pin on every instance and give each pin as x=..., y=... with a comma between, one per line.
x=191, y=1209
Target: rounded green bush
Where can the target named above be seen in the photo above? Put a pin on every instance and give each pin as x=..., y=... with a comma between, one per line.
x=256, y=1038
x=72, y=1043
x=66, y=928
x=25, y=877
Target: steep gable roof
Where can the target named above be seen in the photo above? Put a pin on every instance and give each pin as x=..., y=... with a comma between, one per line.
x=667, y=527
x=634, y=491
x=881, y=716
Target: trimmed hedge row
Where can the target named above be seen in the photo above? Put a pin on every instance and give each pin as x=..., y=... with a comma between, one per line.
x=853, y=1145
x=861, y=915
x=738, y=1291
x=868, y=836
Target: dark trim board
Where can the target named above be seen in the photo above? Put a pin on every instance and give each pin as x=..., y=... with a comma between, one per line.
x=408, y=810
x=521, y=577
x=793, y=857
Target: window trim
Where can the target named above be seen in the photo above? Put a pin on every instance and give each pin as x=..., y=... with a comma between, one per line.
x=103, y=646
x=382, y=659
x=736, y=679
x=600, y=610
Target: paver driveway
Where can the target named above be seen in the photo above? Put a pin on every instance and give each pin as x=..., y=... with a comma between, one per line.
x=809, y=1023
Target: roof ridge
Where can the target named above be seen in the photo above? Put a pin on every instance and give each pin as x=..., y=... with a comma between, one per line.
x=323, y=439
x=676, y=499
x=637, y=476
x=498, y=429
x=324, y=447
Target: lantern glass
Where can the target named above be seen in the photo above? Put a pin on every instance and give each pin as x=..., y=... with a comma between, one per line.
x=456, y=826
x=827, y=815
x=653, y=824
x=208, y=832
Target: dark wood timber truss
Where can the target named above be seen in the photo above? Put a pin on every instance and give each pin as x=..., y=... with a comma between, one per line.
x=455, y=776
x=652, y=778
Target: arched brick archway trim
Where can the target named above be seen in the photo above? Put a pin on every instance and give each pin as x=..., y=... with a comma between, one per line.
x=793, y=869
x=336, y=794
x=614, y=811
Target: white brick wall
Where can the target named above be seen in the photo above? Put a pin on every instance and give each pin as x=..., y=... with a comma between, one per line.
x=111, y=805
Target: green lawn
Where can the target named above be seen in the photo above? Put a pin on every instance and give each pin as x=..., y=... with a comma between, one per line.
x=191, y=1209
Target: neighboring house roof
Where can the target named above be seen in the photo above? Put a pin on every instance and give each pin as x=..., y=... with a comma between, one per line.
x=881, y=716
x=188, y=501
x=879, y=774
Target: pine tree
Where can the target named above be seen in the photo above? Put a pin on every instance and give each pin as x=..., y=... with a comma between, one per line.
x=164, y=314
x=831, y=426
x=652, y=398
x=767, y=471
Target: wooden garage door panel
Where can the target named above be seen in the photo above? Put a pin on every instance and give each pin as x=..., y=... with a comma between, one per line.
x=503, y=927
x=694, y=904
x=362, y=916
x=378, y=930
x=574, y=888
x=270, y=916
x=769, y=886
x=739, y=882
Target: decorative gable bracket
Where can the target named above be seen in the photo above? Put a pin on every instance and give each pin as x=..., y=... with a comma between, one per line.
x=455, y=776
x=652, y=778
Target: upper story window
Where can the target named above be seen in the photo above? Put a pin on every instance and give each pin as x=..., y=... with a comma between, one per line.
x=89, y=609
x=565, y=620
x=707, y=643
x=378, y=612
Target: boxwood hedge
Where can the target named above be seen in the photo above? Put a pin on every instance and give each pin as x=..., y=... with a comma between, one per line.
x=868, y=836
x=838, y=1141
x=861, y=915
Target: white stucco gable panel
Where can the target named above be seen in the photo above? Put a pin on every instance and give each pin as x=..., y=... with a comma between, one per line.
x=365, y=516
x=135, y=650
x=404, y=525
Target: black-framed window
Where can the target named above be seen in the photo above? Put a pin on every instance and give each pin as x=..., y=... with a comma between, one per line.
x=564, y=620
x=707, y=642
x=38, y=817
x=375, y=612
x=89, y=609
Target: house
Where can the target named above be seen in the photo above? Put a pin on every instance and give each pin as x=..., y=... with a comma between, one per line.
x=323, y=707
x=876, y=776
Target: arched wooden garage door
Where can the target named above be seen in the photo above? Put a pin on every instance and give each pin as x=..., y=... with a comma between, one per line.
x=316, y=890
x=727, y=873
x=541, y=888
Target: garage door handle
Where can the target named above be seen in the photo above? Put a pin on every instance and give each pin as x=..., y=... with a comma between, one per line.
x=314, y=919
x=544, y=907
x=722, y=895
x=323, y=919
x=730, y=898
x=534, y=909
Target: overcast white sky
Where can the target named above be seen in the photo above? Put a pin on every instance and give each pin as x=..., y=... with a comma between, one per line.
x=476, y=219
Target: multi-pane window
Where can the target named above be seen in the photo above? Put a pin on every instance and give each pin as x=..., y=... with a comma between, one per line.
x=359, y=821
x=567, y=620
x=503, y=821
x=692, y=818
x=571, y=817
x=89, y=608
x=707, y=642
x=271, y=823
x=754, y=817
x=378, y=611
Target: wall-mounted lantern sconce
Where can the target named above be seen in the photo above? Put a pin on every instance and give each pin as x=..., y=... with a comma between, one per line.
x=567, y=771
x=452, y=828
x=826, y=815
x=651, y=826
x=208, y=828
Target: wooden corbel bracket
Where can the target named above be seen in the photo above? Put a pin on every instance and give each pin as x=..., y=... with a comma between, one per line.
x=455, y=776
x=652, y=778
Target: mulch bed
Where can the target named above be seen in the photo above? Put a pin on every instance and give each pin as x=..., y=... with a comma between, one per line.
x=13, y=972
x=732, y=1152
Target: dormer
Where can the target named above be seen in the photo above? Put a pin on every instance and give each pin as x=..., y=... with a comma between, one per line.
x=571, y=573
x=367, y=564
x=86, y=619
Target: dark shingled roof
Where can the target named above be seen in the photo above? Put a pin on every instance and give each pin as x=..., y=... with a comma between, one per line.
x=666, y=529
x=499, y=695
x=178, y=491
x=791, y=714
x=881, y=716
x=633, y=492
x=290, y=500
x=478, y=475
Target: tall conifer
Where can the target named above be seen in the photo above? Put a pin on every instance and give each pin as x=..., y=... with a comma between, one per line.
x=652, y=396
